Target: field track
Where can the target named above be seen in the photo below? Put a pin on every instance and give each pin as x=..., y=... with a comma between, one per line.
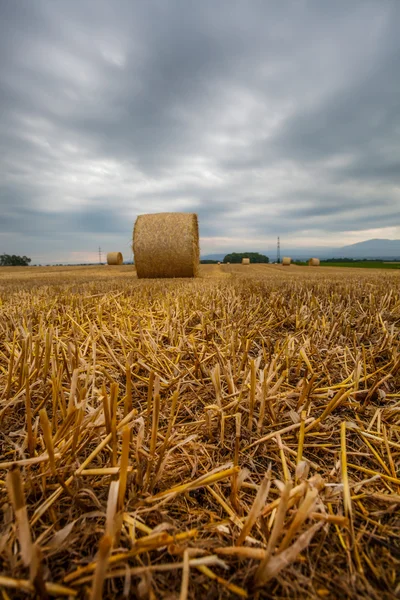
x=236, y=435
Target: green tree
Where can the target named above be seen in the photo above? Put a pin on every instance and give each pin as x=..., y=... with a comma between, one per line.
x=255, y=257
x=12, y=260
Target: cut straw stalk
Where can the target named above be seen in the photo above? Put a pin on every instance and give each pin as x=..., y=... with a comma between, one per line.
x=286, y=474
x=301, y=437
x=262, y=573
x=345, y=479
x=128, y=394
x=252, y=396
x=123, y=474
x=113, y=415
x=202, y=562
x=152, y=541
x=29, y=432
x=185, y=576
x=347, y=494
x=26, y=462
x=48, y=439
x=101, y=471
x=302, y=514
x=276, y=563
x=216, y=475
x=372, y=472
x=154, y=431
x=235, y=589
x=149, y=399
x=267, y=437
x=36, y=573
x=15, y=488
x=234, y=487
x=101, y=567
x=112, y=507
x=164, y=446
x=255, y=510
x=24, y=585
x=340, y=397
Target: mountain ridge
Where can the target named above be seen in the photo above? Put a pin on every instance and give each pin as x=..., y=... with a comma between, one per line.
x=374, y=248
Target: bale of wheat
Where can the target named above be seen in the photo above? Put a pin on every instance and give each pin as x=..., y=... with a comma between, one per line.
x=245, y=261
x=219, y=263
x=166, y=245
x=313, y=262
x=114, y=258
x=286, y=260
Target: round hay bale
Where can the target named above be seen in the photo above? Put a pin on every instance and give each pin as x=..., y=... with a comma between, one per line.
x=228, y=263
x=114, y=258
x=313, y=262
x=286, y=260
x=245, y=261
x=219, y=263
x=166, y=245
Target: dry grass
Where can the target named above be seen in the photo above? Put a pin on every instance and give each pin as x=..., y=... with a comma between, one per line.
x=234, y=435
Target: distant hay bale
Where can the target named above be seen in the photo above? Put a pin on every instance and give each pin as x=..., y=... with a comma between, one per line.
x=166, y=245
x=286, y=260
x=245, y=261
x=115, y=258
x=219, y=263
x=228, y=263
x=313, y=262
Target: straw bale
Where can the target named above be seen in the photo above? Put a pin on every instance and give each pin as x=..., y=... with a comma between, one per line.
x=114, y=258
x=313, y=262
x=166, y=245
x=286, y=260
x=245, y=261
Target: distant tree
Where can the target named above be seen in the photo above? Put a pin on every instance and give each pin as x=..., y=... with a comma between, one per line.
x=339, y=260
x=236, y=257
x=208, y=261
x=12, y=260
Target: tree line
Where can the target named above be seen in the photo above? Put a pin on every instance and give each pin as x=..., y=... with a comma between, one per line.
x=236, y=257
x=12, y=260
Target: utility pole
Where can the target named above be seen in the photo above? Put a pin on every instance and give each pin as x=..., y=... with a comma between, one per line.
x=278, y=251
x=100, y=261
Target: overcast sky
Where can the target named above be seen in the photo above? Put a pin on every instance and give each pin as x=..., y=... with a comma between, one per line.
x=265, y=118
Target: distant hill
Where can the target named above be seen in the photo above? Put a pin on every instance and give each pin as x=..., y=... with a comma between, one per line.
x=375, y=248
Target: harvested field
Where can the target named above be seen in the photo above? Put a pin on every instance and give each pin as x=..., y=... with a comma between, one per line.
x=236, y=435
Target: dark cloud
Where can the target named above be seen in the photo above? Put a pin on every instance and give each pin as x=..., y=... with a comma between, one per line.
x=264, y=118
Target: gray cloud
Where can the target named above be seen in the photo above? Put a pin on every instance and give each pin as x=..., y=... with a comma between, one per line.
x=266, y=119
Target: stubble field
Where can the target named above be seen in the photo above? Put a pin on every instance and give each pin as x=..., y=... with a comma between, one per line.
x=237, y=435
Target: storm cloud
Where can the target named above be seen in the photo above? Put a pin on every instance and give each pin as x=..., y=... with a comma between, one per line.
x=265, y=118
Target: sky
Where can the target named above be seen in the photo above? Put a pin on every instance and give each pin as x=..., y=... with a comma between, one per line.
x=265, y=118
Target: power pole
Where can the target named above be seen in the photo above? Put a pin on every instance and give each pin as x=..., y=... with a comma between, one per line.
x=100, y=261
x=278, y=251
